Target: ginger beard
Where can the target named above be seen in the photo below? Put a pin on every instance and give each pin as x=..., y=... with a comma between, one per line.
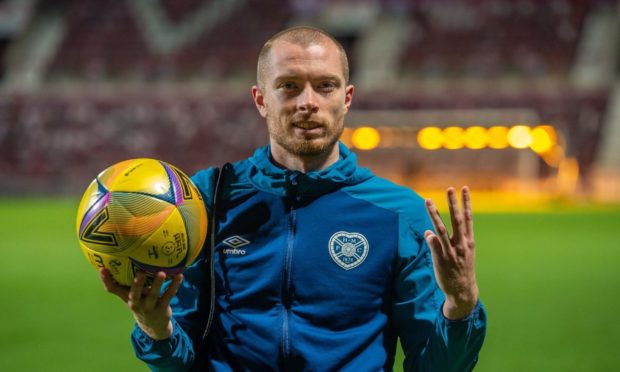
x=305, y=137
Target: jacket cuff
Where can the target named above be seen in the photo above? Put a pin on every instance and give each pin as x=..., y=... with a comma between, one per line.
x=476, y=318
x=146, y=347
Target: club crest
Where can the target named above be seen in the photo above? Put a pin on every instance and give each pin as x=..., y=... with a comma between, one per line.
x=347, y=249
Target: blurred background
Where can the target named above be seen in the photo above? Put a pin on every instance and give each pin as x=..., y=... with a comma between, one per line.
x=520, y=99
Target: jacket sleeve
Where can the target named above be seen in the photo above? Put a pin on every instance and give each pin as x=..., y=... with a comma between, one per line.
x=190, y=308
x=429, y=340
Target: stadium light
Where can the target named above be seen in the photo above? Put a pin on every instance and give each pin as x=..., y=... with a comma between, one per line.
x=543, y=139
x=519, y=137
x=430, y=138
x=454, y=138
x=476, y=137
x=498, y=137
x=365, y=138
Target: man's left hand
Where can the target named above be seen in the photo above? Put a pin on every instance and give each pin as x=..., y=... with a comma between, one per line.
x=454, y=256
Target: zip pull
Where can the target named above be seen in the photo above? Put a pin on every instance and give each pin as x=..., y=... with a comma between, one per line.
x=293, y=186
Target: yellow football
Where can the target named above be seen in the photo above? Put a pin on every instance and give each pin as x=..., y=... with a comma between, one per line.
x=141, y=214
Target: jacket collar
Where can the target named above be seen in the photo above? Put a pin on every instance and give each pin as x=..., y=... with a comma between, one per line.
x=267, y=176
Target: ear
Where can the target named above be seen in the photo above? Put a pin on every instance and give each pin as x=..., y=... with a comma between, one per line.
x=348, y=97
x=259, y=100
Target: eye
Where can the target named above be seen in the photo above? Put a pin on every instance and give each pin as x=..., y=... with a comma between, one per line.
x=327, y=86
x=287, y=85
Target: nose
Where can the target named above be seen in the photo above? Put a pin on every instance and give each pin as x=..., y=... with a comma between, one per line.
x=307, y=100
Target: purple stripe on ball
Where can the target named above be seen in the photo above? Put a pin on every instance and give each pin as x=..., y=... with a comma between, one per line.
x=176, y=185
x=101, y=203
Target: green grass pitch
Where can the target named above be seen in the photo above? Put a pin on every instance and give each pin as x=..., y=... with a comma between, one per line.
x=550, y=282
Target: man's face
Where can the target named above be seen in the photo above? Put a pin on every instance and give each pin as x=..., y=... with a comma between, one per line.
x=304, y=97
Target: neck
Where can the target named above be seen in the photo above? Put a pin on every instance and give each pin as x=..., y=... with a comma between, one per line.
x=301, y=163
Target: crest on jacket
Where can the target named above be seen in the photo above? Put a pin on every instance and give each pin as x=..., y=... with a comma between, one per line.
x=348, y=249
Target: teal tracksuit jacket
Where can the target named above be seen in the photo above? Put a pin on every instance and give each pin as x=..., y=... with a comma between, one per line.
x=321, y=271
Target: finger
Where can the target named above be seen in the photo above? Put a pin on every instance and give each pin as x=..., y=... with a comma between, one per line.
x=467, y=212
x=455, y=216
x=434, y=245
x=111, y=286
x=152, y=295
x=135, y=292
x=440, y=228
x=171, y=291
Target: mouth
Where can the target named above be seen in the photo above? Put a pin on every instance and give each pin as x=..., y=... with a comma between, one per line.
x=308, y=129
x=307, y=125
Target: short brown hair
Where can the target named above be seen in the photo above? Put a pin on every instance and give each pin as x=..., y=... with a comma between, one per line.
x=304, y=36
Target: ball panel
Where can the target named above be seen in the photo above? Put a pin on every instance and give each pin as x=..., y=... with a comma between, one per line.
x=92, y=216
x=194, y=214
x=141, y=176
x=175, y=182
x=93, y=234
x=203, y=223
x=165, y=247
x=123, y=221
x=120, y=267
x=138, y=214
x=195, y=218
x=108, y=176
x=91, y=196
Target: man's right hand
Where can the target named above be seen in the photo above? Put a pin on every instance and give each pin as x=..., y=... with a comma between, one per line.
x=151, y=311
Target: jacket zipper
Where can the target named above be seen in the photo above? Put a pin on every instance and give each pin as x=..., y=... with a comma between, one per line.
x=286, y=290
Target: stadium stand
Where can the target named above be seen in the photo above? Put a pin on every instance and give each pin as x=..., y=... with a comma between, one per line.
x=492, y=39
x=122, y=42
x=53, y=143
x=449, y=39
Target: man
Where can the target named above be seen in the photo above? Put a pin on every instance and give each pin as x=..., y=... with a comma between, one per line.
x=318, y=264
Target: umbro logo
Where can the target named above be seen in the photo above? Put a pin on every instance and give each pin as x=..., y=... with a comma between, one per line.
x=235, y=242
